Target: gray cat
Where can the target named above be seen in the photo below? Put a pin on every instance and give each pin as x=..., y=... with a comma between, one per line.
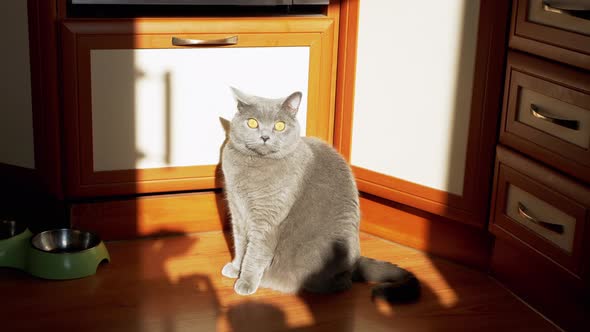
x=295, y=209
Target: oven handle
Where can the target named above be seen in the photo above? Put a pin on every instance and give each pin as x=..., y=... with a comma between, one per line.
x=232, y=40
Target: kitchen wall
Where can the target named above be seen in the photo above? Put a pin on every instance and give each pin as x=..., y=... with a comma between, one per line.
x=16, y=117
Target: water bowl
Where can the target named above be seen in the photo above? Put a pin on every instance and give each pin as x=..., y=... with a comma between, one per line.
x=65, y=254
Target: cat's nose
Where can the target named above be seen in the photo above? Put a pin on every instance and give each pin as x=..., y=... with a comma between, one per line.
x=264, y=138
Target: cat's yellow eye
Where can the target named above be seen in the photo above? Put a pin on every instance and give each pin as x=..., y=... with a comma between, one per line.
x=252, y=123
x=280, y=126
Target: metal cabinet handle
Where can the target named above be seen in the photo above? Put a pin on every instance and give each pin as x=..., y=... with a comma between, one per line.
x=523, y=212
x=573, y=8
x=570, y=124
x=199, y=42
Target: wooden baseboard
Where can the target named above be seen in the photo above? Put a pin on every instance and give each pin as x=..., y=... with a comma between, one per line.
x=18, y=179
x=206, y=211
x=23, y=198
x=433, y=234
x=151, y=215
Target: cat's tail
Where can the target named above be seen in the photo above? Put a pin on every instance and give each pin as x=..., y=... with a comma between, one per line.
x=394, y=283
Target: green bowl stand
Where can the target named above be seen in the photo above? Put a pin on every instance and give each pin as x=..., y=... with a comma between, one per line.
x=62, y=266
x=14, y=250
x=17, y=252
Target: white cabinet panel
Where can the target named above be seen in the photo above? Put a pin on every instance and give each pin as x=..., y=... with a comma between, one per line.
x=16, y=110
x=414, y=76
x=171, y=101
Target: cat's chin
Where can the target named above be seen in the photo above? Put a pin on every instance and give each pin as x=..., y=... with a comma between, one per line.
x=262, y=150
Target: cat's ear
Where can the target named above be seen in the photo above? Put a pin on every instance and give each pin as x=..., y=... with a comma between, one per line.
x=243, y=99
x=225, y=124
x=291, y=103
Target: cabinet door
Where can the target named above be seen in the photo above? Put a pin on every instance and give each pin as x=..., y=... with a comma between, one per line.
x=425, y=94
x=144, y=114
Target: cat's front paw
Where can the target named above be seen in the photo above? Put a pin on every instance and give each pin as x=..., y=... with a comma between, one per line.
x=244, y=287
x=230, y=271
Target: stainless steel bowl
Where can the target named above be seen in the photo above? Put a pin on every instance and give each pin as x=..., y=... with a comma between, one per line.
x=65, y=241
x=10, y=228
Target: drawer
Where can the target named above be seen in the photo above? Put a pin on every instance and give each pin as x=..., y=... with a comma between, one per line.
x=556, y=29
x=542, y=208
x=547, y=113
x=143, y=99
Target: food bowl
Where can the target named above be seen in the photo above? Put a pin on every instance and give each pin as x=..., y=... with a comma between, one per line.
x=65, y=254
x=14, y=244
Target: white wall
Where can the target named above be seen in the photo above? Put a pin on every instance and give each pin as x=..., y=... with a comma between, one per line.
x=414, y=77
x=16, y=117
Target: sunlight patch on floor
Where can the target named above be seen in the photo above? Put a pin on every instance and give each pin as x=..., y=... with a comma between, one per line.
x=384, y=308
x=447, y=297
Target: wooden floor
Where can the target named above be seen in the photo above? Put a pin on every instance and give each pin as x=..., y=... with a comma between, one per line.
x=174, y=284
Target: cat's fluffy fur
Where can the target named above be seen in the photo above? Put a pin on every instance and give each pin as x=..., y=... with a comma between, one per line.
x=295, y=209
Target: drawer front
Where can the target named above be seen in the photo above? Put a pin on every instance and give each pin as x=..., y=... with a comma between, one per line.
x=547, y=113
x=569, y=15
x=541, y=208
x=559, y=30
x=143, y=113
x=540, y=217
x=567, y=122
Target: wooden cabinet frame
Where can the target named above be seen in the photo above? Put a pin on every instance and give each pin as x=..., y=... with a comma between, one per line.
x=471, y=207
x=80, y=36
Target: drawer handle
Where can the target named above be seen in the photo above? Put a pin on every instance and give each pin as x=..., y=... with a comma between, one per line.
x=199, y=42
x=572, y=8
x=570, y=124
x=523, y=211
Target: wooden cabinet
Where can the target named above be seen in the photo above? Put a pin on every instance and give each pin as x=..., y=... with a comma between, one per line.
x=540, y=206
x=419, y=102
x=126, y=103
x=143, y=108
